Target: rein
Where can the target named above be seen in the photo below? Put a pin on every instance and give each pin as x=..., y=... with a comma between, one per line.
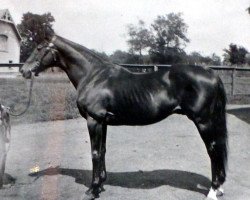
x=28, y=103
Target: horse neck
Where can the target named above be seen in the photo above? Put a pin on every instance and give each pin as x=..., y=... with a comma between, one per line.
x=75, y=60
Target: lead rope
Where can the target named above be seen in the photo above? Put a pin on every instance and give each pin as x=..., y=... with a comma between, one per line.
x=29, y=101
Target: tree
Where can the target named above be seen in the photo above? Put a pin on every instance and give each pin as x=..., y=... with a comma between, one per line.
x=195, y=58
x=247, y=58
x=32, y=30
x=139, y=38
x=169, y=39
x=216, y=60
x=101, y=54
x=122, y=57
x=235, y=55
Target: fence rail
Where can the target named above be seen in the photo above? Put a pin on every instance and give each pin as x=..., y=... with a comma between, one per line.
x=236, y=79
x=11, y=64
x=9, y=68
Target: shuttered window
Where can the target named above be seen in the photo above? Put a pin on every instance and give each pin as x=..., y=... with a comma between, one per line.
x=3, y=42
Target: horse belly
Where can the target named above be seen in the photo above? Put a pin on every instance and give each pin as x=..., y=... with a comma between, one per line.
x=141, y=114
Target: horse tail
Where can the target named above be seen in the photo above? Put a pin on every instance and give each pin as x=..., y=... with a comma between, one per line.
x=220, y=130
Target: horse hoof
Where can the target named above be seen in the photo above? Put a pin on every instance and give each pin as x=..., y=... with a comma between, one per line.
x=220, y=192
x=91, y=194
x=89, y=197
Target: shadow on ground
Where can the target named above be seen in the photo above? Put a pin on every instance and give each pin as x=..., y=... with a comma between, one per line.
x=137, y=180
x=242, y=113
x=8, y=179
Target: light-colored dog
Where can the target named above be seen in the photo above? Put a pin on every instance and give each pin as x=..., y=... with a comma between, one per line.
x=4, y=139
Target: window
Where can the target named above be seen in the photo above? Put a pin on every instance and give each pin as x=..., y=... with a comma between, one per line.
x=3, y=42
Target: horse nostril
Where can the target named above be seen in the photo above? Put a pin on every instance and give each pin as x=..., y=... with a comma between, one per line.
x=27, y=74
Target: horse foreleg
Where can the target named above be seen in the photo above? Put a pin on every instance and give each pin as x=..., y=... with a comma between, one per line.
x=96, y=135
x=103, y=174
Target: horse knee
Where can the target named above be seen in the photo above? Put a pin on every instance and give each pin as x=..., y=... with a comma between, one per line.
x=103, y=151
x=96, y=155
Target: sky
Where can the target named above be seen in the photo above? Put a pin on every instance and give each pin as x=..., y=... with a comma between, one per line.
x=101, y=24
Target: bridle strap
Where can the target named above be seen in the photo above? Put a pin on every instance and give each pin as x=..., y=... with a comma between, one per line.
x=53, y=39
x=12, y=113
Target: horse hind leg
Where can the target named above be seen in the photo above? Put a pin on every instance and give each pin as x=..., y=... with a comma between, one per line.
x=214, y=134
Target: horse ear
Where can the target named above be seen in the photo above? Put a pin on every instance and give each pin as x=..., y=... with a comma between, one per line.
x=48, y=32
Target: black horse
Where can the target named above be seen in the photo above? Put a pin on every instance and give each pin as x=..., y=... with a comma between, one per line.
x=108, y=94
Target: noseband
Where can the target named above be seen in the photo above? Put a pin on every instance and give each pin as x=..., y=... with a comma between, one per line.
x=49, y=49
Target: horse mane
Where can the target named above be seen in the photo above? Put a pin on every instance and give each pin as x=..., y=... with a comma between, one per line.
x=89, y=54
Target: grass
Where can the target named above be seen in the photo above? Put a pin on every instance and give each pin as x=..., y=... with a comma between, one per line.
x=53, y=98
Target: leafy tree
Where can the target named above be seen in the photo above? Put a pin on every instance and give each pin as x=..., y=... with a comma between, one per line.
x=195, y=58
x=32, y=30
x=139, y=38
x=122, y=57
x=216, y=60
x=247, y=58
x=235, y=55
x=101, y=54
x=169, y=39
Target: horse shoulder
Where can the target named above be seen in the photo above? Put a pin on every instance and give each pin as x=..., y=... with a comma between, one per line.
x=94, y=101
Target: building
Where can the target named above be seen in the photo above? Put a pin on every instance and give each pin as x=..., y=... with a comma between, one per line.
x=10, y=41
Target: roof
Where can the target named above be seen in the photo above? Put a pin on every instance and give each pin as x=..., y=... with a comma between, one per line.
x=7, y=18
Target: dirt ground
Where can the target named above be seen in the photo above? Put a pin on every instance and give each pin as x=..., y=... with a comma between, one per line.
x=164, y=161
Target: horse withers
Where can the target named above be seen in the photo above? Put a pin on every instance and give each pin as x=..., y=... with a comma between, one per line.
x=108, y=94
x=5, y=129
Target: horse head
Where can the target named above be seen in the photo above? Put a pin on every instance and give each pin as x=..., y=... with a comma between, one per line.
x=42, y=57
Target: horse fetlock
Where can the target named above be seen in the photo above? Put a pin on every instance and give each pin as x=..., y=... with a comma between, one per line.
x=103, y=176
x=222, y=177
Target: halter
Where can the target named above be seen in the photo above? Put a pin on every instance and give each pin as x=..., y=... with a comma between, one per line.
x=49, y=49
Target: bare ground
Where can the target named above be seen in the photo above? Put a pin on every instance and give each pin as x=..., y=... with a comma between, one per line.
x=163, y=161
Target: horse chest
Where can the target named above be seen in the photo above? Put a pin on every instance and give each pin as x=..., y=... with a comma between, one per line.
x=94, y=102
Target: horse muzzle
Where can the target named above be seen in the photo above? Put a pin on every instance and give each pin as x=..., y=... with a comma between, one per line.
x=26, y=73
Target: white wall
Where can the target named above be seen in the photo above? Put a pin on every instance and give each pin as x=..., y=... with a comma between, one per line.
x=9, y=69
x=13, y=52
